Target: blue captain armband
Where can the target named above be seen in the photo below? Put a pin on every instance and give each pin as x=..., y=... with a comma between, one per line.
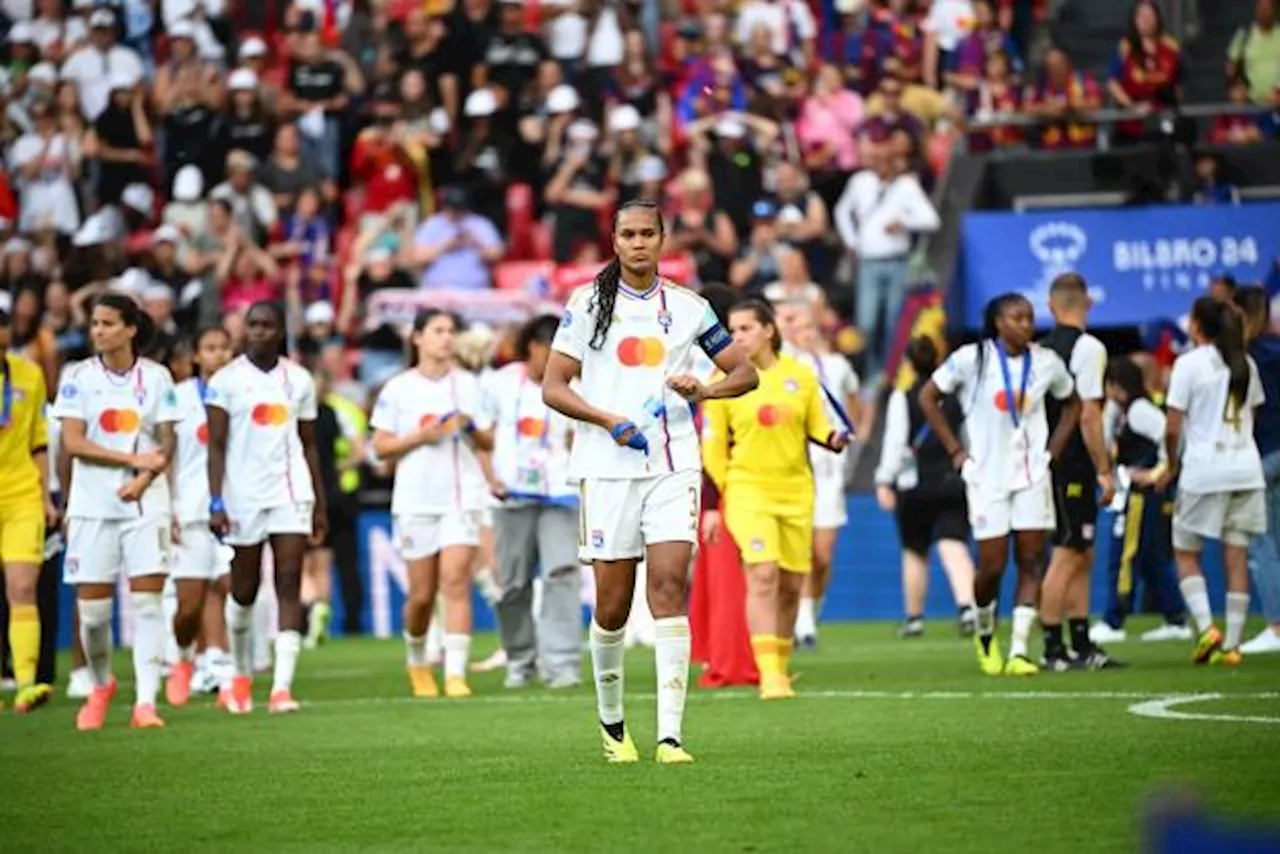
x=714, y=340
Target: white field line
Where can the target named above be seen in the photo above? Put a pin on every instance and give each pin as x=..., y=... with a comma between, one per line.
x=1164, y=709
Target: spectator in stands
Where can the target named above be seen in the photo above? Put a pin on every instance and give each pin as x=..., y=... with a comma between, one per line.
x=1146, y=73
x=484, y=162
x=57, y=34
x=633, y=165
x=425, y=52
x=255, y=57
x=879, y=211
x=995, y=96
x=381, y=347
x=577, y=193
x=252, y=205
x=315, y=95
x=734, y=161
x=760, y=260
x=46, y=162
x=1240, y=128
x=188, y=94
x=946, y=24
x=636, y=82
x=702, y=230
x=455, y=248
x=245, y=274
x=286, y=173
x=1254, y=56
x=1064, y=94
x=802, y=215
x=794, y=285
x=965, y=67
x=381, y=166
x=247, y=123
x=827, y=129
x=510, y=60
x=120, y=141
x=96, y=66
x=1210, y=188
x=887, y=112
x=187, y=211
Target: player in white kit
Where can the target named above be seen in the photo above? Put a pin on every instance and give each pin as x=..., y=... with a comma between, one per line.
x=425, y=420
x=117, y=412
x=636, y=454
x=198, y=561
x=261, y=410
x=840, y=387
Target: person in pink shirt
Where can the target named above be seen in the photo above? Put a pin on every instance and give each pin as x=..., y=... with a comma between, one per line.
x=828, y=123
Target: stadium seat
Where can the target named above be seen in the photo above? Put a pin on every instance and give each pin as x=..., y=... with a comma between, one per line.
x=519, y=275
x=519, y=222
x=543, y=242
x=353, y=205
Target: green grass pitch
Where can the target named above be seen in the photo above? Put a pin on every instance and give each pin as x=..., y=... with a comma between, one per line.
x=892, y=746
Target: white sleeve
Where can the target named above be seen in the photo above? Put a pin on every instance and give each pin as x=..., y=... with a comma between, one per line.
x=70, y=402
x=308, y=406
x=802, y=19
x=960, y=369
x=918, y=213
x=167, y=412
x=849, y=383
x=574, y=334
x=845, y=214
x=488, y=397
x=1179, y=394
x=385, y=413
x=218, y=392
x=712, y=337
x=897, y=422
x=1062, y=384
x=473, y=397
x=1256, y=396
x=1146, y=419
x=1089, y=366
x=1110, y=417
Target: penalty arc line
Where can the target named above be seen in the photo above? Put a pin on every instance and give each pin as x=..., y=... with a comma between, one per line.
x=1164, y=709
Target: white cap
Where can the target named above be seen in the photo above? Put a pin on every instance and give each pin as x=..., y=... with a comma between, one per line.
x=242, y=79
x=133, y=281
x=20, y=33
x=14, y=245
x=438, y=120
x=122, y=79
x=92, y=232
x=188, y=184
x=182, y=29
x=102, y=18
x=166, y=234
x=252, y=47
x=790, y=214
x=156, y=291
x=624, y=118
x=140, y=197
x=479, y=104
x=582, y=130
x=318, y=313
x=651, y=168
x=563, y=99
x=731, y=129
x=44, y=72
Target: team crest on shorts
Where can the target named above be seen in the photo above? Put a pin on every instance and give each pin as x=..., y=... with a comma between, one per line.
x=406, y=541
x=72, y=565
x=791, y=386
x=757, y=545
x=597, y=538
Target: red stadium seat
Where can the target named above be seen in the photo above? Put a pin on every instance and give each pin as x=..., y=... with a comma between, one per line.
x=543, y=242
x=353, y=205
x=519, y=222
x=518, y=275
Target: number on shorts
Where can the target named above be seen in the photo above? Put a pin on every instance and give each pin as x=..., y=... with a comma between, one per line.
x=693, y=508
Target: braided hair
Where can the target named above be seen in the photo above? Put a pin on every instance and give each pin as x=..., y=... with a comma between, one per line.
x=605, y=288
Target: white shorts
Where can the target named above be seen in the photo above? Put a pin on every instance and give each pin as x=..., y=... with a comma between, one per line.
x=255, y=525
x=618, y=518
x=830, y=509
x=198, y=555
x=97, y=549
x=1231, y=517
x=424, y=536
x=1030, y=509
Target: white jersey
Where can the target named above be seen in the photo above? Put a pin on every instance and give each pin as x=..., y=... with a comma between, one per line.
x=445, y=476
x=191, y=457
x=53, y=448
x=123, y=413
x=265, y=465
x=1009, y=445
x=530, y=439
x=838, y=378
x=1218, y=451
x=650, y=340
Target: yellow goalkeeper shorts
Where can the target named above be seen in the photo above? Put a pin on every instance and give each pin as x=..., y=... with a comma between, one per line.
x=769, y=534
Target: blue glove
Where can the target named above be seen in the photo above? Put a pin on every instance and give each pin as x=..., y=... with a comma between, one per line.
x=637, y=440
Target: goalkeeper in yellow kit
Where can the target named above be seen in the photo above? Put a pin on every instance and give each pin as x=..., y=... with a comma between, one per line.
x=755, y=449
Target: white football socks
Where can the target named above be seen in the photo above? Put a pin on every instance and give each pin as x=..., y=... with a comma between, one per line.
x=95, y=638
x=607, y=652
x=415, y=650
x=240, y=633
x=1237, y=613
x=1023, y=618
x=288, y=645
x=148, y=645
x=806, y=622
x=1196, y=595
x=671, y=655
x=457, y=648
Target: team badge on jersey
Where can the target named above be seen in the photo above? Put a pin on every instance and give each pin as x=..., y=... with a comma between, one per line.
x=757, y=545
x=69, y=391
x=597, y=538
x=791, y=386
x=566, y=319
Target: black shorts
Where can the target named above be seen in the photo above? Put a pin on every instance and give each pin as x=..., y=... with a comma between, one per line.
x=1075, y=500
x=924, y=519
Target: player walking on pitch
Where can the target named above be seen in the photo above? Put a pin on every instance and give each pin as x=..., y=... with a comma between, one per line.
x=637, y=457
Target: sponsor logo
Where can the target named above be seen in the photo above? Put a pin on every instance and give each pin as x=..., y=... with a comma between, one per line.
x=428, y=420
x=531, y=427
x=119, y=421
x=770, y=415
x=270, y=414
x=641, y=352
x=1001, y=401
x=202, y=433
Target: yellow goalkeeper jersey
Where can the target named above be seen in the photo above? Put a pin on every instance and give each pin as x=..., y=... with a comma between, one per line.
x=23, y=430
x=760, y=440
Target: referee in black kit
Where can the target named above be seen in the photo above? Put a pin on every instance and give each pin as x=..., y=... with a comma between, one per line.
x=1079, y=475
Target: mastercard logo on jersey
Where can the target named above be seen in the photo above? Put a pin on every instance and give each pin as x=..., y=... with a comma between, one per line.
x=636, y=352
x=428, y=420
x=774, y=416
x=202, y=433
x=270, y=414
x=1001, y=401
x=531, y=427
x=119, y=421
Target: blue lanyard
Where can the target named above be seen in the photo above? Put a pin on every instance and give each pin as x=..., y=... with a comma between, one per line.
x=831, y=398
x=203, y=388
x=1015, y=404
x=6, y=408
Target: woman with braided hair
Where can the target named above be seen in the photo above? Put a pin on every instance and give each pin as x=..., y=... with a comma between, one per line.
x=635, y=453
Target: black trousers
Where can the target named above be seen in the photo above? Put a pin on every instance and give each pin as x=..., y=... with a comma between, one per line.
x=342, y=540
x=47, y=589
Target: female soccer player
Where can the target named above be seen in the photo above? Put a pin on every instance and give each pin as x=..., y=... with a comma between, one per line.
x=830, y=514
x=263, y=485
x=917, y=483
x=425, y=421
x=199, y=566
x=25, y=508
x=755, y=448
x=117, y=413
x=636, y=455
x=1213, y=392
x=1002, y=382
x=537, y=521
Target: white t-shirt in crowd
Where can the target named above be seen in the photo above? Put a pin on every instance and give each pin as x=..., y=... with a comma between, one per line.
x=950, y=21
x=266, y=466
x=530, y=439
x=650, y=340
x=93, y=70
x=47, y=200
x=1005, y=458
x=779, y=17
x=191, y=457
x=1218, y=451
x=47, y=32
x=837, y=376
x=446, y=476
x=121, y=412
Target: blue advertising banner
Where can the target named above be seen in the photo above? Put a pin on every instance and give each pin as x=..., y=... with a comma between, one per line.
x=1141, y=263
